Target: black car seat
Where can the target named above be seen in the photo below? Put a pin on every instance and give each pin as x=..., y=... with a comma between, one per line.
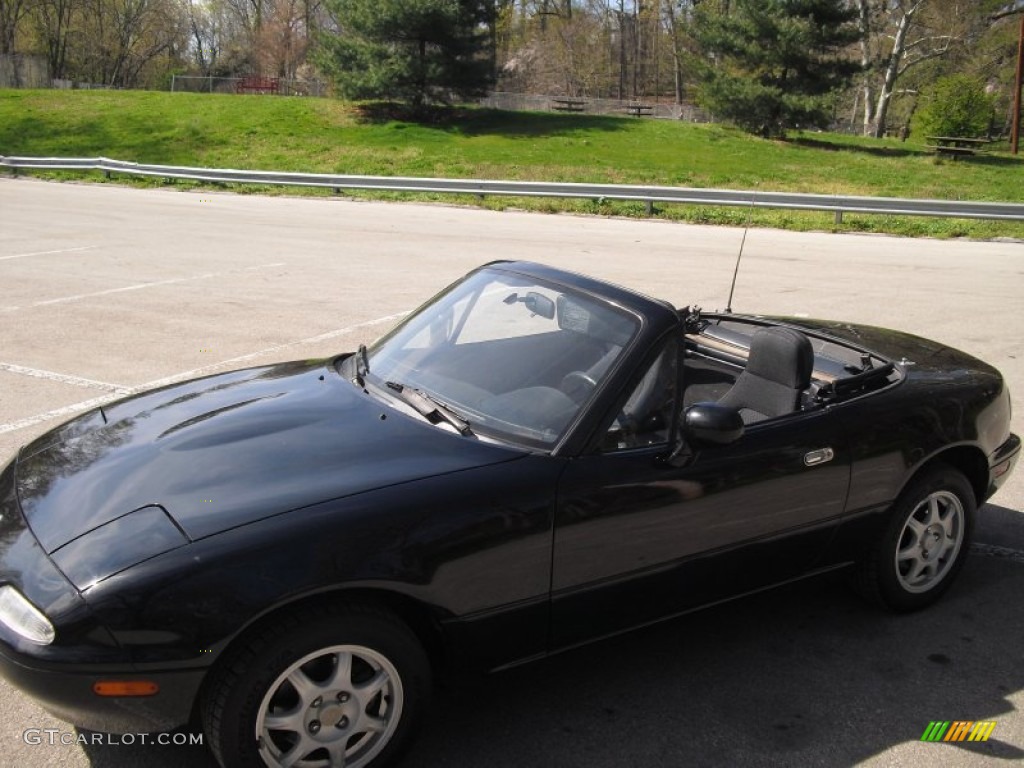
x=648, y=407
x=778, y=369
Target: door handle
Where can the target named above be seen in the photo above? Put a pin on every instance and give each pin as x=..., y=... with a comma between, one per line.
x=819, y=456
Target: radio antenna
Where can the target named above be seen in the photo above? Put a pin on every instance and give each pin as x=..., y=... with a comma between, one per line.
x=736, y=271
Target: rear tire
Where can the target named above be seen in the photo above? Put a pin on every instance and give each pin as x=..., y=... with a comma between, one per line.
x=925, y=543
x=344, y=685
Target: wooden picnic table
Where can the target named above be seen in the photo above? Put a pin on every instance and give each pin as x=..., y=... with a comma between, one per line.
x=568, y=105
x=257, y=84
x=956, y=145
x=640, y=109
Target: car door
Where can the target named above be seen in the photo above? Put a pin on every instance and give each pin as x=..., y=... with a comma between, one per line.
x=637, y=539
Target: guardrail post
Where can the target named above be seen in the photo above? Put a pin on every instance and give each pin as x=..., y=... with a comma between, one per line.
x=839, y=217
x=650, y=207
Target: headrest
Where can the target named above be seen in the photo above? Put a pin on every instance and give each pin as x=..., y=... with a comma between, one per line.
x=781, y=355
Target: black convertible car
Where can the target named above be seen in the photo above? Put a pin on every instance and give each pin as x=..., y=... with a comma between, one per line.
x=532, y=460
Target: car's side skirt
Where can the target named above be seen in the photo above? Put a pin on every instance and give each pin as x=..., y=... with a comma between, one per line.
x=675, y=615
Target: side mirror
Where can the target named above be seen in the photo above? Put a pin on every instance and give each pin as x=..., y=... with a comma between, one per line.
x=713, y=424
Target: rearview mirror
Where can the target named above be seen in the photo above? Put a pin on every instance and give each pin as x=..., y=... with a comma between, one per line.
x=540, y=304
x=537, y=303
x=713, y=423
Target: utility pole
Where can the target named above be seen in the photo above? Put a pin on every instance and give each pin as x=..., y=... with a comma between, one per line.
x=1015, y=133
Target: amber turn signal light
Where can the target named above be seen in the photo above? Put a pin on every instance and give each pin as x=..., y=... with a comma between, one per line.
x=125, y=688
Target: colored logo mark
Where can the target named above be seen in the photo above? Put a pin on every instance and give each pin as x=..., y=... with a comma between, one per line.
x=958, y=730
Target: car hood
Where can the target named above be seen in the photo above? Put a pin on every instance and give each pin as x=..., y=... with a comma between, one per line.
x=227, y=450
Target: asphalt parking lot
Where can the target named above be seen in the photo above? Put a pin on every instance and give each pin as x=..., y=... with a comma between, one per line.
x=107, y=290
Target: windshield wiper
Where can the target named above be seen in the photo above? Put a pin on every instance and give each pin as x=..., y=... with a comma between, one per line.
x=430, y=407
x=362, y=365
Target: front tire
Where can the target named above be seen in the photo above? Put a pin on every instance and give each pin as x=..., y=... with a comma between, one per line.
x=924, y=546
x=338, y=687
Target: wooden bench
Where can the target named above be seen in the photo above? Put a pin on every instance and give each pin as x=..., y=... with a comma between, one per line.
x=636, y=110
x=255, y=84
x=956, y=146
x=568, y=105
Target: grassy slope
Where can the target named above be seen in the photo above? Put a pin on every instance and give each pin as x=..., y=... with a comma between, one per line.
x=321, y=135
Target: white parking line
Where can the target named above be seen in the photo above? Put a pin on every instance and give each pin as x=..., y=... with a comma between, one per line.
x=196, y=372
x=85, y=405
x=67, y=410
x=138, y=286
x=63, y=378
x=48, y=253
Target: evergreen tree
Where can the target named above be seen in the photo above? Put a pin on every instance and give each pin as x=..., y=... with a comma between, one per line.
x=415, y=51
x=774, y=64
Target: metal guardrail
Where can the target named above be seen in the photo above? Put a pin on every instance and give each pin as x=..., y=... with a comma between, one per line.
x=839, y=204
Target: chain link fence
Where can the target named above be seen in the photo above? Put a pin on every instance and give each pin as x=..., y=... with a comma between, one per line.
x=18, y=71
x=23, y=71
x=281, y=87
x=80, y=86
x=593, y=106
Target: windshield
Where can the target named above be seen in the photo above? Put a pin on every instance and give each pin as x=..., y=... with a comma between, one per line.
x=515, y=358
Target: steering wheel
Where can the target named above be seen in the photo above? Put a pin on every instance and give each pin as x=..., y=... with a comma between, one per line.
x=578, y=384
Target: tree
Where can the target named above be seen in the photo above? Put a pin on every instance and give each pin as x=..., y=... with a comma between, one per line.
x=53, y=21
x=208, y=31
x=117, y=39
x=899, y=36
x=11, y=14
x=957, y=105
x=675, y=14
x=416, y=51
x=619, y=49
x=774, y=64
x=281, y=40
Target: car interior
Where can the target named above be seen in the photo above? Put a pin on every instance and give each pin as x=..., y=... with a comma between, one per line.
x=763, y=370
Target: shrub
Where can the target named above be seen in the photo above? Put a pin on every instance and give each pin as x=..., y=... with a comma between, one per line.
x=956, y=105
